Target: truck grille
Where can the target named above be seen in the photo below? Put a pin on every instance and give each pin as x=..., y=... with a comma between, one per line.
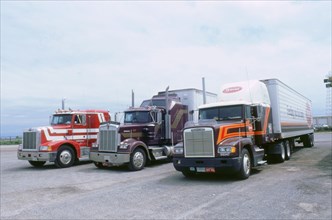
x=108, y=140
x=198, y=142
x=31, y=140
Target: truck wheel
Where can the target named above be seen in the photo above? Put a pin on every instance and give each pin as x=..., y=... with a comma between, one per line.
x=245, y=165
x=288, y=151
x=37, y=163
x=65, y=157
x=137, y=160
x=308, y=140
x=99, y=165
x=188, y=174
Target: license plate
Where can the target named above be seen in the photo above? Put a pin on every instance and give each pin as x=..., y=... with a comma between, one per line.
x=205, y=169
x=200, y=169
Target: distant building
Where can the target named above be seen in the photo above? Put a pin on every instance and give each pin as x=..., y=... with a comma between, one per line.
x=323, y=121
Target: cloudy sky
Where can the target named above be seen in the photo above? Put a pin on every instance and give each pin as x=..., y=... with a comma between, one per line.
x=95, y=53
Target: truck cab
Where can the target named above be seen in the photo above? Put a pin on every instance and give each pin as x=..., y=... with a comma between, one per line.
x=223, y=140
x=68, y=138
x=147, y=134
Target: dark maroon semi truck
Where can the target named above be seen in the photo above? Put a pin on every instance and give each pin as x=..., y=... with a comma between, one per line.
x=149, y=132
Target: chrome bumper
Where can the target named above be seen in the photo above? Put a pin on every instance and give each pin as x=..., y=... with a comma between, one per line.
x=110, y=158
x=36, y=156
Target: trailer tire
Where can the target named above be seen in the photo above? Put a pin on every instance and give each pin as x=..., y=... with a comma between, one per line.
x=246, y=165
x=65, y=157
x=277, y=157
x=288, y=151
x=137, y=160
x=308, y=140
x=37, y=163
x=280, y=158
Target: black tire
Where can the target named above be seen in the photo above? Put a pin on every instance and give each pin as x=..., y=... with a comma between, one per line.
x=188, y=174
x=137, y=160
x=292, y=145
x=65, y=157
x=308, y=140
x=99, y=165
x=37, y=163
x=280, y=158
x=288, y=150
x=246, y=165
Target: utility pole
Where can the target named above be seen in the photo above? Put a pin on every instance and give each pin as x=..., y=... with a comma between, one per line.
x=328, y=85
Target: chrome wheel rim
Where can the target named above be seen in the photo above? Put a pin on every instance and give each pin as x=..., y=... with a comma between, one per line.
x=246, y=164
x=138, y=159
x=283, y=154
x=65, y=157
x=287, y=149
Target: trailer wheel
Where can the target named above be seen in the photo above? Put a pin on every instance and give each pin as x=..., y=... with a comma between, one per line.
x=308, y=140
x=277, y=158
x=137, y=160
x=246, y=165
x=37, y=163
x=288, y=151
x=280, y=158
x=65, y=157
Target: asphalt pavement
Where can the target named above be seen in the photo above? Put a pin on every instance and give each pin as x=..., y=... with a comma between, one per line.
x=296, y=189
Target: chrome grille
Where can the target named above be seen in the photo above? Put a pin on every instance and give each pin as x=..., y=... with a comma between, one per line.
x=107, y=140
x=199, y=142
x=31, y=140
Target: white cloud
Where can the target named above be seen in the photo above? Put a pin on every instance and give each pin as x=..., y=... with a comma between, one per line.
x=95, y=53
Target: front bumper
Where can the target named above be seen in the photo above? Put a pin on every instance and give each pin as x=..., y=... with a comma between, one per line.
x=113, y=159
x=215, y=165
x=36, y=156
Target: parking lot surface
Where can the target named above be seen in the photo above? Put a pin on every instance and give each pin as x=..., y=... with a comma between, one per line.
x=296, y=189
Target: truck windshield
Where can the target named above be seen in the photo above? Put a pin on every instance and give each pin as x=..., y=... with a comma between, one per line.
x=138, y=117
x=222, y=113
x=61, y=119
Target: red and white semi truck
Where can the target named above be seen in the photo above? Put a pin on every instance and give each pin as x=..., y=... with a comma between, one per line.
x=254, y=122
x=68, y=138
x=150, y=131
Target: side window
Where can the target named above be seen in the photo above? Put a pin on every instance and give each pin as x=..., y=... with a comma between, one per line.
x=80, y=119
x=248, y=112
x=159, y=117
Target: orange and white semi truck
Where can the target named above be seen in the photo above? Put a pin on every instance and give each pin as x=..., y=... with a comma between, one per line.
x=68, y=138
x=254, y=122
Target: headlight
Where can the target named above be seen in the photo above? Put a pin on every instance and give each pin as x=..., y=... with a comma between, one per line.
x=94, y=144
x=226, y=150
x=178, y=150
x=123, y=145
x=45, y=148
x=20, y=147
